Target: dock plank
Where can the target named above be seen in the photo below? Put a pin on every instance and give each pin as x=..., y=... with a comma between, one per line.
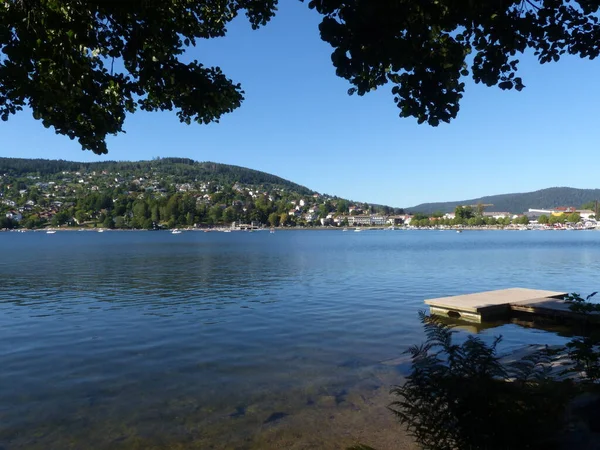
x=494, y=304
x=554, y=308
x=555, y=304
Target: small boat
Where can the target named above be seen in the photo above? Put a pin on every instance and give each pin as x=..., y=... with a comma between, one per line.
x=100, y=230
x=459, y=231
x=176, y=231
x=345, y=229
x=50, y=232
x=226, y=231
x=357, y=230
x=272, y=231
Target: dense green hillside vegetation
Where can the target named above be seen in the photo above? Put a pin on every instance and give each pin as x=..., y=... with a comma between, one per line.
x=520, y=202
x=162, y=193
x=177, y=170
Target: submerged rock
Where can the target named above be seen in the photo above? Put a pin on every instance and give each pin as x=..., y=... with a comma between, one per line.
x=327, y=400
x=240, y=411
x=275, y=417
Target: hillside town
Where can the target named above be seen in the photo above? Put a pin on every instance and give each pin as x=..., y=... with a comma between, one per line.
x=155, y=199
x=171, y=193
x=35, y=203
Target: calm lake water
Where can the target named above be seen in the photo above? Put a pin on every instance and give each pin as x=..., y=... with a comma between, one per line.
x=238, y=340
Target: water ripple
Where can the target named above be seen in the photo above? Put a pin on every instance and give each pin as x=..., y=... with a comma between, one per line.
x=109, y=337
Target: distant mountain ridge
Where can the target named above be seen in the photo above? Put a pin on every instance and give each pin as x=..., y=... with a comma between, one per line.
x=519, y=202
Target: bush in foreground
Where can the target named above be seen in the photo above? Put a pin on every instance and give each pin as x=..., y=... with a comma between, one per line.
x=461, y=396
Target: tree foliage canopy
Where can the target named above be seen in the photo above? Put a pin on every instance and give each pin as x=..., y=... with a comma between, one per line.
x=464, y=212
x=81, y=66
x=425, y=48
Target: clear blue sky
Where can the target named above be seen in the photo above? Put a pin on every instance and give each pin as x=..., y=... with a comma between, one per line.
x=299, y=123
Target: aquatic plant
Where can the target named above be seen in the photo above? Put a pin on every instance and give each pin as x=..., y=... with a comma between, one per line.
x=461, y=396
x=584, y=350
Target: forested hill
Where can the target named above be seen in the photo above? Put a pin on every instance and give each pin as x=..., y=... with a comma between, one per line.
x=179, y=170
x=520, y=202
x=162, y=193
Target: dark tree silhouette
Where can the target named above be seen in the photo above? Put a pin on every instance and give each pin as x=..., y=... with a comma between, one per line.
x=82, y=66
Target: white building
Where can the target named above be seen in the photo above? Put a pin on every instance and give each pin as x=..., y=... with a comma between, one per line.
x=373, y=220
x=359, y=220
x=496, y=214
x=396, y=220
x=338, y=220
x=586, y=213
x=378, y=220
x=14, y=215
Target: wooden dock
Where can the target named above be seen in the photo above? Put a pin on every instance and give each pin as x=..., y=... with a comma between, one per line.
x=496, y=305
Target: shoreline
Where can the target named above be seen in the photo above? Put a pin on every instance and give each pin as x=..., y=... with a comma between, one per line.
x=278, y=229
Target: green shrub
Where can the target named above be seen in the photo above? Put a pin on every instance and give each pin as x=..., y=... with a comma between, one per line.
x=460, y=396
x=584, y=350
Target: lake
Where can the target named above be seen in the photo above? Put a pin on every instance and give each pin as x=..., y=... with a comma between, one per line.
x=240, y=340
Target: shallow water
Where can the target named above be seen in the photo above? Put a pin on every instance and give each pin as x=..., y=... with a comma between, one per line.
x=238, y=340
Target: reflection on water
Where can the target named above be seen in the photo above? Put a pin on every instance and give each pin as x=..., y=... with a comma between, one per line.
x=239, y=340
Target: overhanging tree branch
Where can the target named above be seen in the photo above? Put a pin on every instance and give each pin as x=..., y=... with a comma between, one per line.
x=412, y=44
